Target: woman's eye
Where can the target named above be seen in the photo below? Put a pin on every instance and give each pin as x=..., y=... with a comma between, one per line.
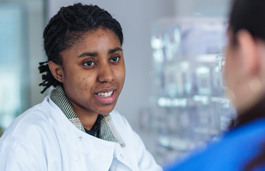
x=89, y=63
x=115, y=59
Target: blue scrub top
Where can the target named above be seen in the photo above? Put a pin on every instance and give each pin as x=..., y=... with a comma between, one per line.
x=236, y=149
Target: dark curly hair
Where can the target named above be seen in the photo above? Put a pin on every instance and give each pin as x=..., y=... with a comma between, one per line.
x=66, y=28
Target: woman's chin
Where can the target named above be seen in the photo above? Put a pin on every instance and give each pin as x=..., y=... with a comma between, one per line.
x=106, y=111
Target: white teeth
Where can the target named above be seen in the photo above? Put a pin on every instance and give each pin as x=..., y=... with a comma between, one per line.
x=105, y=94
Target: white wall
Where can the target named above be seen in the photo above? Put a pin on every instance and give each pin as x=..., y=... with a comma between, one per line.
x=136, y=17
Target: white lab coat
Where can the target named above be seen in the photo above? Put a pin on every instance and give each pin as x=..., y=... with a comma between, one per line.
x=43, y=139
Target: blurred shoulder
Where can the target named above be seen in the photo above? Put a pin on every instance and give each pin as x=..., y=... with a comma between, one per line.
x=231, y=152
x=30, y=123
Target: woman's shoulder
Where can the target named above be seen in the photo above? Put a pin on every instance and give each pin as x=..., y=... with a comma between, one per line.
x=30, y=123
x=229, y=153
x=27, y=136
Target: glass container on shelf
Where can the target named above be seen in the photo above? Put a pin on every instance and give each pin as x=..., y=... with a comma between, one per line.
x=190, y=107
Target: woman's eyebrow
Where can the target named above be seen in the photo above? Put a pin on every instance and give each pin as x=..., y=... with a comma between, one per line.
x=115, y=50
x=93, y=54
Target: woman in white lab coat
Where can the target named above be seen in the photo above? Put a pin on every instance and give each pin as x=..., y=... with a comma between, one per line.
x=75, y=127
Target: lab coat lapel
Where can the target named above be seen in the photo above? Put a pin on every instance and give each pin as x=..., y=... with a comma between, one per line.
x=119, y=154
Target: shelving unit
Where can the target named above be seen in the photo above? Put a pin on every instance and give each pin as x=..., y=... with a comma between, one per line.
x=188, y=107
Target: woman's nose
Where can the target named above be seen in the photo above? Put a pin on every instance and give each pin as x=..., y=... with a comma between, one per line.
x=105, y=74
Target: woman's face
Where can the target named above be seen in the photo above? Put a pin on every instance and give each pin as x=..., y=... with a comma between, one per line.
x=231, y=62
x=94, y=72
x=244, y=70
x=233, y=72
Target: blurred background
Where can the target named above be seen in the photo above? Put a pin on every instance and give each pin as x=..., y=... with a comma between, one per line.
x=173, y=94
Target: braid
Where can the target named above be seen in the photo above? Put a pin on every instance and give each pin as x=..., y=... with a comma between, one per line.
x=66, y=28
x=47, y=77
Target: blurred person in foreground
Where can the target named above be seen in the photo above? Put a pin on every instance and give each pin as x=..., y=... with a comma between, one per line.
x=75, y=127
x=243, y=146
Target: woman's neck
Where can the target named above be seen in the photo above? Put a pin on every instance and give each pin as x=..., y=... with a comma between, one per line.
x=254, y=113
x=88, y=119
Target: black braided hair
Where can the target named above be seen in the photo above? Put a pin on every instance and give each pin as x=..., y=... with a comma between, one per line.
x=66, y=28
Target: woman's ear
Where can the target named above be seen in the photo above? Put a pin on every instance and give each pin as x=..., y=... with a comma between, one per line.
x=249, y=53
x=57, y=71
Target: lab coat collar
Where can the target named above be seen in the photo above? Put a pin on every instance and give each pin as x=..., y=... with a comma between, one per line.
x=108, y=131
x=91, y=145
x=73, y=133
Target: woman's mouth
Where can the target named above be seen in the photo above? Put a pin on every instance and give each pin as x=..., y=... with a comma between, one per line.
x=105, y=94
x=106, y=97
